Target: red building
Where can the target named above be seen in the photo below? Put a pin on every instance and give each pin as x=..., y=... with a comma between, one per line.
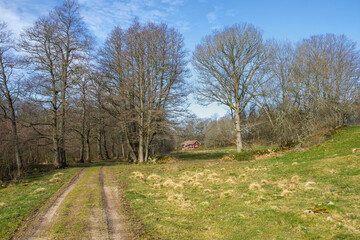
x=191, y=144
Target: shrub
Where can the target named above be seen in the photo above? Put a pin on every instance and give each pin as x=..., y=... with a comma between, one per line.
x=245, y=155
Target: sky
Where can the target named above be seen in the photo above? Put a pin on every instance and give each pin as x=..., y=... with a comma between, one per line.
x=290, y=20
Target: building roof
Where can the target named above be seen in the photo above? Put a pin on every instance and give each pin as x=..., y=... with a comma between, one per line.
x=188, y=142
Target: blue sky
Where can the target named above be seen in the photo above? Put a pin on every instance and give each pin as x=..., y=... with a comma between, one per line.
x=290, y=20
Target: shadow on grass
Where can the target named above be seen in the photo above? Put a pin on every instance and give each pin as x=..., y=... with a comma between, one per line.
x=38, y=169
x=194, y=155
x=109, y=162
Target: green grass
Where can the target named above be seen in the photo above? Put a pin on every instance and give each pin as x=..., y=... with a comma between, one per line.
x=264, y=199
x=19, y=200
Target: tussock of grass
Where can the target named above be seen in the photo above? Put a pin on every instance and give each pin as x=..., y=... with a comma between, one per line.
x=310, y=183
x=153, y=177
x=230, y=180
x=295, y=179
x=207, y=190
x=138, y=175
x=59, y=174
x=55, y=179
x=285, y=192
x=213, y=176
x=40, y=190
x=179, y=200
x=197, y=185
x=168, y=183
x=226, y=194
x=264, y=182
x=205, y=204
x=254, y=186
x=178, y=186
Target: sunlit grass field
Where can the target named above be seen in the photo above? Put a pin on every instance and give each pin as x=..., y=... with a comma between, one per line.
x=314, y=194
x=311, y=194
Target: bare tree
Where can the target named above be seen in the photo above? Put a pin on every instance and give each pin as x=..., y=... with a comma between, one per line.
x=82, y=102
x=232, y=67
x=73, y=44
x=145, y=69
x=9, y=88
x=56, y=44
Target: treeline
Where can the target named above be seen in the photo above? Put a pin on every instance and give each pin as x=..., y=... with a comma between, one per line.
x=286, y=93
x=63, y=100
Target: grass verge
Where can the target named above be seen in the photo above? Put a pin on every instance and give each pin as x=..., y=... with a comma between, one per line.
x=19, y=200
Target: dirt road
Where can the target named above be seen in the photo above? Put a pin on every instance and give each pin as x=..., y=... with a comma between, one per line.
x=89, y=207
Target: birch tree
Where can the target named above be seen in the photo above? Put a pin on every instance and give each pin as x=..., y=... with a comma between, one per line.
x=231, y=64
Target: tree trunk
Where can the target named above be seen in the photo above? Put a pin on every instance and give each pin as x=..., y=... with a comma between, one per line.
x=88, y=153
x=18, y=158
x=122, y=150
x=238, y=132
x=82, y=134
x=82, y=150
x=130, y=148
x=99, y=144
x=62, y=125
x=107, y=156
x=141, y=146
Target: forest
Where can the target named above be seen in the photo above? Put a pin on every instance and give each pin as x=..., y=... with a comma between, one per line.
x=65, y=99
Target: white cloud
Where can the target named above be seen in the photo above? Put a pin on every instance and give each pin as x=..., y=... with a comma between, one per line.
x=211, y=17
x=231, y=13
x=217, y=27
x=100, y=16
x=103, y=15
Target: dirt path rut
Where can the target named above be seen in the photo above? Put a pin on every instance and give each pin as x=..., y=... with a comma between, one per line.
x=111, y=200
x=89, y=207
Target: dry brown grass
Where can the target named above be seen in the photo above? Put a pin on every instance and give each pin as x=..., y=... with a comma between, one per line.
x=178, y=186
x=55, y=179
x=168, y=183
x=153, y=177
x=254, y=186
x=295, y=179
x=138, y=175
x=40, y=190
x=285, y=192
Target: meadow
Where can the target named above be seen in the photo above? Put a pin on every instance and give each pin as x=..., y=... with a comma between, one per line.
x=311, y=194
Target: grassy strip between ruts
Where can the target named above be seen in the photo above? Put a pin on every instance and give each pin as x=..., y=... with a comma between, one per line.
x=18, y=201
x=81, y=214
x=304, y=195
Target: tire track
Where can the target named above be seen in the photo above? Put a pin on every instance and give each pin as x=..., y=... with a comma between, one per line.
x=44, y=217
x=111, y=201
